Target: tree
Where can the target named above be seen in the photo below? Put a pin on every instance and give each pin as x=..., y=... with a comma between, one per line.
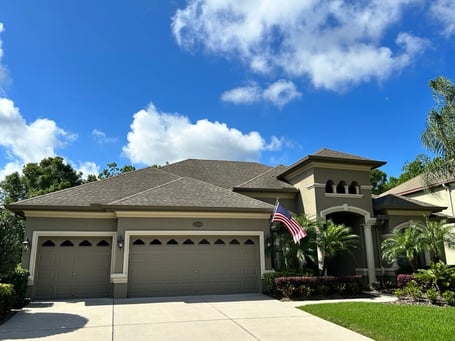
x=408, y=242
x=113, y=170
x=434, y=234
x=11, y=237
x=439, y=134
x=378, y=180
x=332, y=240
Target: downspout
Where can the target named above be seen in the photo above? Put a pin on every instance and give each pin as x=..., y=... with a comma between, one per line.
x=449, y=196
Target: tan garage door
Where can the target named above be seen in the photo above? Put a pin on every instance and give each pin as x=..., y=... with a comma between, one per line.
x=73, y=267
x=188, y=265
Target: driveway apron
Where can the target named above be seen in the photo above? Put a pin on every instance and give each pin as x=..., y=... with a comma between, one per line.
x=224, y=317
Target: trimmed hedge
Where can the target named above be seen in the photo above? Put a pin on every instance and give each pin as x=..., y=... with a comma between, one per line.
x=300, y=286
x=7, y=297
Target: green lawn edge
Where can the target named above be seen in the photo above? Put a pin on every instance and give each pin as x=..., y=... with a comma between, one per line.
x=389, y=322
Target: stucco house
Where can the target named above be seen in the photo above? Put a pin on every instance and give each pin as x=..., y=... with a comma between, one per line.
x=200, y=226
x=439, y=194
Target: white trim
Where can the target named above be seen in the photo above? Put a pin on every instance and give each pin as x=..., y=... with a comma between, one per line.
x=119, y=278
x=347, y=208
x=69, y=214
x=129, y=233
x=38, y=234
x=344, y=195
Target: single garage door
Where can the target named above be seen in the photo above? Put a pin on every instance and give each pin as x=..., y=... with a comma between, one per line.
x=188, y=265
x=73, y=268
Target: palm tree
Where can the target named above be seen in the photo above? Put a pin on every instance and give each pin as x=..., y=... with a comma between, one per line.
x=439, y=134
x=435, y=234
x=407, y=242
x=333, y=239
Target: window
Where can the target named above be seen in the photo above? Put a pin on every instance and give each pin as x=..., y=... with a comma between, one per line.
x=204, y=242
x=188, y=242
x=172, y=242
x=48, y=243
x=85, y=243
x=155, y=242
x=329, y=186
x=341, y=188
x=249, y=242
x=234, y=242
x=220, y=242
x=138, y=242
x=354, y=188
x=67, y=243
x=102, y=243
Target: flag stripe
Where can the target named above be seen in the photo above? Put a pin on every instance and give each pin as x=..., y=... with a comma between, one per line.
x=281, y=215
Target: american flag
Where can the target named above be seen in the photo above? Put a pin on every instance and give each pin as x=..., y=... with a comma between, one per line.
x=282, y=215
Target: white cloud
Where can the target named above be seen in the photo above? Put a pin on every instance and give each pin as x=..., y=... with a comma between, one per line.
x=29, y=142
x=279, y=93
x=336, y=44
x=101, y=137
x=444, y=12
x=88, y=168
x=157, y=138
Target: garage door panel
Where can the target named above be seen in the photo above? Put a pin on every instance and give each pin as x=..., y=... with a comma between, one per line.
x=81, y=270
x=205, y=265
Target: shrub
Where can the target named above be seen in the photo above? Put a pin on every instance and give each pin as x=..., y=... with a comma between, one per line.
x=403, y=279
x=432, y=295
x=413, y=290
x=449, y=297
x=269, y=279
x=323, y=286
x=18, y=278
x=6, y=298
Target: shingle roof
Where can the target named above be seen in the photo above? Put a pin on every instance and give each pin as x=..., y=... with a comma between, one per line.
x=190, y=193
x=412, y=185
x=328, y=155
x=227, y=174
x=392, y=201
x=267, y=181
x=149, y=188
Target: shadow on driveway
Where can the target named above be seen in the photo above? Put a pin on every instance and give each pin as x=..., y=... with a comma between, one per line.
x=27, y=325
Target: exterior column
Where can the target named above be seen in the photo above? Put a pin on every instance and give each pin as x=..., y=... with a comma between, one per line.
x=369, y=249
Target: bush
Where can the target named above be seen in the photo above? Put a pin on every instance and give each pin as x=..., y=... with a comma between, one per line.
x=403, y=280
x=18, y=278
x=432, y=295
x=321, y=286
x=413, y=290
x=449, y=297
x=269, y=279
x=6, y=298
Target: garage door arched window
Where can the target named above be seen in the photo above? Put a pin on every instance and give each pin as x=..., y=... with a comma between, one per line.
x=249, y=242
x=204, y=242
x=102, y=243
x=67, y=243
x=155, y=242
x=234, y=242
x=48, y=243
x=138, y=242
x=85, y=243
x=220, y=242
x=172, y=242
x=188, y=242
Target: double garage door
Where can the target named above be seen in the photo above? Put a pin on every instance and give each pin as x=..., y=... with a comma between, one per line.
x=70, y=267
x=188, y=265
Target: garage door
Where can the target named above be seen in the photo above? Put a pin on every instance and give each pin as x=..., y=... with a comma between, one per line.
x=73, y=268
x=188, y=265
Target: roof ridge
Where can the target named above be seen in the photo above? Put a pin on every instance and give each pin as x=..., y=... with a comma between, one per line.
x=146, y=190
x=256, y=177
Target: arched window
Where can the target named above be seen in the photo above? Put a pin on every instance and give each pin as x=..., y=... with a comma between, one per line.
x=220, y=242
x=48, y=243
x=329, y=186
x=138, y=242
x=234, y=242
x=67, y=243
x=155, y=242
x=354, y=188
x=249, y=242
x=102, y=243
x=172, y=242
x=85, y=243
x=341, y=188
x=188, y=242
x=204, y=242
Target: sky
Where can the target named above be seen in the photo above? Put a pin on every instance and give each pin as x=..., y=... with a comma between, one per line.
x=146, y=82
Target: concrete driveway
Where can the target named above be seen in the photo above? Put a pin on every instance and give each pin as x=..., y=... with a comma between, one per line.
x=226, y=317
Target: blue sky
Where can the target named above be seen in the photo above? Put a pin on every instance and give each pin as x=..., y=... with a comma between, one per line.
x=147, y=82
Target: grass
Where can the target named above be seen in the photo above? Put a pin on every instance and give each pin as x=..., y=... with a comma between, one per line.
x=389, y=322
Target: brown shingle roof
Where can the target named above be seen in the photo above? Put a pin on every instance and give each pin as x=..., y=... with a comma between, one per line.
x=227, y=174
x=392, y=201
x=267, y=181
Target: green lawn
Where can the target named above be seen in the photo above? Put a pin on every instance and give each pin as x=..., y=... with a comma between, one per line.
x=385, y=321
